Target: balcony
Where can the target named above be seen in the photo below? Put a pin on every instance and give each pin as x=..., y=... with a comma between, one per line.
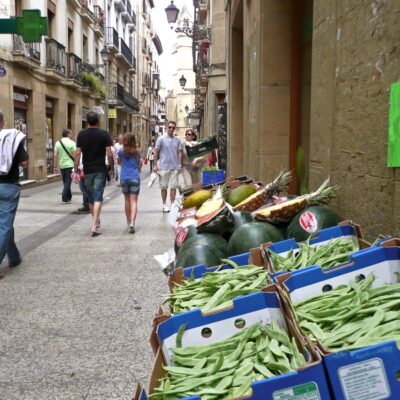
x=132, y=70
x=131, y=102
x=203, y=5
x=55, y=59
x=77, y=4
x=26, y=54
x=127, y=14
x=112, y=39
x=74, y=70
x=99, y=18
x=86, y=14
x=116, y=95
x=120, y=5
x=125, y=52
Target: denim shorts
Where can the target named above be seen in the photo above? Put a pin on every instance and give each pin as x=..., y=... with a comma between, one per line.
x=130, y=186
x=94, y=185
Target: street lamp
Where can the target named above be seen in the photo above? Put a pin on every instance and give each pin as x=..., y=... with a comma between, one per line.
x=172, y=13
x=143, y=96
x=182, y=82
x=105, y=54
x=187, y=108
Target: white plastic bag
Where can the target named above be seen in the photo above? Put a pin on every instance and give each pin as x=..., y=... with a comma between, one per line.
x=153, y=178
x=166, y=261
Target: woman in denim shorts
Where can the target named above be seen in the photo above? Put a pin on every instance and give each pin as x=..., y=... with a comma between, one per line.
x=131, y=165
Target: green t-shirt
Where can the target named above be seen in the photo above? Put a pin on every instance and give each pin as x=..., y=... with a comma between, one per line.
x=63, y=158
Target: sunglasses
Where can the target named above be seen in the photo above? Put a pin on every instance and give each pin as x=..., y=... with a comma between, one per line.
x=171, y=127
x=188, y=134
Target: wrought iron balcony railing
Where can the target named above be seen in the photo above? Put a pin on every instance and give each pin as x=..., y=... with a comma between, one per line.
x=115, y=92
x=112, y=37
x=131, y=101
x=126, y=51
x=30, y=50
x=74, y=67
x=55, y=56
x=99, y=18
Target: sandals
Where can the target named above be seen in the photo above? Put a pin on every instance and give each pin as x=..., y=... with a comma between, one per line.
x=95, y=233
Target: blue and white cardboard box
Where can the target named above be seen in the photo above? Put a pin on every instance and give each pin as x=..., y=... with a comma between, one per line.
x=257, y=307
x=369, y=372
x=197, y=271
x=346, y=230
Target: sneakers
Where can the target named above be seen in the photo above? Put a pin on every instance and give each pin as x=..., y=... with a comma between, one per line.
x=131, y=228
x=13, y=264
x=165, y=208
x=84, y=209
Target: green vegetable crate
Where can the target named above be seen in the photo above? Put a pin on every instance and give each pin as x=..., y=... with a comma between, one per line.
x=249, y=349
x=352, y=314
x=328, y=248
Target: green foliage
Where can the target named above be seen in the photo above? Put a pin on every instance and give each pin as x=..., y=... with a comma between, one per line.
x=94, y=83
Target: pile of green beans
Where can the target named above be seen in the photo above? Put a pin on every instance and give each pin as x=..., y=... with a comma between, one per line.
x=225, y=369
x=333, y=253
x=352, y=316
x=216, y=290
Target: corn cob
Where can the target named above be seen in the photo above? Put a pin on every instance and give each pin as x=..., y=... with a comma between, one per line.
x=259, y=198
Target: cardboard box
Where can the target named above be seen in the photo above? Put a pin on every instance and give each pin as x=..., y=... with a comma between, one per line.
x=180, y=274
x=264, y=306
x=369, y=372
x=346, y=230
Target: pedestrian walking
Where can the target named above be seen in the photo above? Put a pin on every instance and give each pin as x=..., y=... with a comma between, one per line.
x=64, y=151
x=118, y=146
x=12, y=155
x=168, y=151
x=150, y=154
x=94, y=144
x=131, y=166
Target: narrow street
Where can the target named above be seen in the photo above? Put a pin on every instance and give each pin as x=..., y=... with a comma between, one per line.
x=75, y=316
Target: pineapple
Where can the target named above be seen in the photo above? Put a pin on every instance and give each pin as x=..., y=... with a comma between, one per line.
x=284, y=212
x=258, y=199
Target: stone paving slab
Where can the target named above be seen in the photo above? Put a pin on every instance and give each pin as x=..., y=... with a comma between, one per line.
x=76, y=314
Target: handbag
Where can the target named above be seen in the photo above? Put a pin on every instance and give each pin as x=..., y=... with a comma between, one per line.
x=145, y=161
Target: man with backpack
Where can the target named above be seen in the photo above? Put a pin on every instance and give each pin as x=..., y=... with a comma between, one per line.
x=64, y=152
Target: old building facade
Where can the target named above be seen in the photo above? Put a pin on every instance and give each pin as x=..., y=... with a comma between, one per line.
x=51, y=85
x=308, y=90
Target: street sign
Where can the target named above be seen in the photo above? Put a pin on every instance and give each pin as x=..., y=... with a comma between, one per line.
x=112, y=113
x=31, y=26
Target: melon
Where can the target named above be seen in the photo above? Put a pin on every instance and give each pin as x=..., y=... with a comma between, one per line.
x=219, y=221
x=208, y=239
x=311, y=220
x=183, y=235
x=198, y=254
x=251, y=235
x=196, y=199
x=241, y=218
x=240, y=193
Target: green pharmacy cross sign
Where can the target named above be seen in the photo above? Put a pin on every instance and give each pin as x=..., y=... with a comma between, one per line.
x=31, y=26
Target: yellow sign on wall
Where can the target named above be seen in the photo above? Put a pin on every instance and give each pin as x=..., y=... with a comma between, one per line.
x=112, y=113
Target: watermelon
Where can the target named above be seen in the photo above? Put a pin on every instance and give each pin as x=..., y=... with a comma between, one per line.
x=209, y=239
x=183, y=235
x=241, y=218
x=218, y=221
x=252, y=234
x=311, y=220
x=198, y=254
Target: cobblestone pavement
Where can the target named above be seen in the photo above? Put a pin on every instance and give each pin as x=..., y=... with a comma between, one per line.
x=75, y=316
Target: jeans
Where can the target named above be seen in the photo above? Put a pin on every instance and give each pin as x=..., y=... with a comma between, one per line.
x=9, y=198
x=66, y=177
x=94, y=185
x=85, y=200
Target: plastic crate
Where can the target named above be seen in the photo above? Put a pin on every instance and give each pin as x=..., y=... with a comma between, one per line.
x=212, y=177
x=203, y=147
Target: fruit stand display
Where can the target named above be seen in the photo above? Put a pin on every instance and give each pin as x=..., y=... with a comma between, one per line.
x=272, y=297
